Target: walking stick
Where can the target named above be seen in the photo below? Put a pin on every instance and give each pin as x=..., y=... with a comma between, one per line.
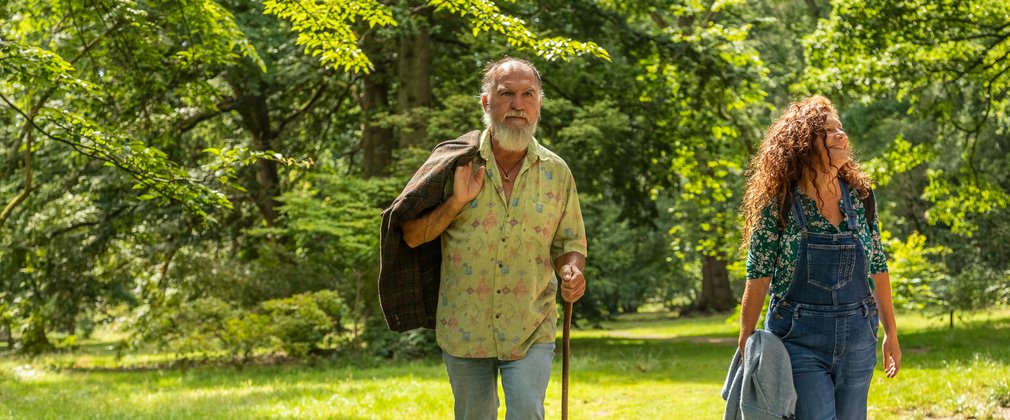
x=566, y=355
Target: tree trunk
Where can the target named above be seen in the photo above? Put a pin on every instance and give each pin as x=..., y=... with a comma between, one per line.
x=6, y=335
x=377, y=139
x=34, y=340
x=716, y=294
x=414, y=96
x=815, y=9
x=256, y=118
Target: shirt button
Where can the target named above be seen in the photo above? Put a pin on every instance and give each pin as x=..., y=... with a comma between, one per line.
x=497, y=316
x=503, y=239
x=499, y=291
x=500, y=265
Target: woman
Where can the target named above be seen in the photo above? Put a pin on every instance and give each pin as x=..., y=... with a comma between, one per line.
x=809, y=240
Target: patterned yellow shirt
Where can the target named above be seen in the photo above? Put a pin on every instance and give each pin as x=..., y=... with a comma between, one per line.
x=497, y=292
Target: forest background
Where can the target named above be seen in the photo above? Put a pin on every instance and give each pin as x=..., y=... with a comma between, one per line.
x=206, y=176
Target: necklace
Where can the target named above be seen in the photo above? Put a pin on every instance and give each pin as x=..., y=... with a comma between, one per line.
x=506, y=173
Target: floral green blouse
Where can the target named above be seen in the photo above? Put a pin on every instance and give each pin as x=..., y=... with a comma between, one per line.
x=772, y=253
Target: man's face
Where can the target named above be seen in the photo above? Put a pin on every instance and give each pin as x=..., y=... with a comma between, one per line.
x=512, y=107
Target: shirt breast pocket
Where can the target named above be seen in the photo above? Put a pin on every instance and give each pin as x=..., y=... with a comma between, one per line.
x=541, y=220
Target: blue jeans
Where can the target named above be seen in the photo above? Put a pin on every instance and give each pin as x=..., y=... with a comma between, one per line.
x=832, y=350
x=475, y=384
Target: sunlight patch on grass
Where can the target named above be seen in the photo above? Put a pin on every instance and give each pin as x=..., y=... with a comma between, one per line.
x=27, y=373
x=406, y=397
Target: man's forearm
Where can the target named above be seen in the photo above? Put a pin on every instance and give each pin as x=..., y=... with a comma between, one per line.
x=429, y=226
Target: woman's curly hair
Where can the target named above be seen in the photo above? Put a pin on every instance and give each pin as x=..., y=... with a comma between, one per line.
x=786, y=154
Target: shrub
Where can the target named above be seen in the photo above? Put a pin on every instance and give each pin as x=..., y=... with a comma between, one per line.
x=245, y=333
x=297, y=323
x=388, y=344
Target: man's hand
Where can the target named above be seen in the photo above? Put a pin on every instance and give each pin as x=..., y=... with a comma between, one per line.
x=466, y=184
x=573, y=283
x=465, y=187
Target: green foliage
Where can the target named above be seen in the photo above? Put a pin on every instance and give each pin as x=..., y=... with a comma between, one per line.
x=915, y=269
x=326, y=28
x=160, y=145
x=900, y=157
x=245, y=333
x=57, y=101
x=486, y=16
x=329, y=29
x=414, y=344
x=954, y=200
x=98, y=102
x=947, y=61
x=974, y=288
x=301, y=322
x=297, y=325
x=194, y=326
x=920, y=281
x=629, y=266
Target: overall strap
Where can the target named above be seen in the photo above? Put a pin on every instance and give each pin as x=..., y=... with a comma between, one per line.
x=850, y=212
x=870, y=205
x=801, y=220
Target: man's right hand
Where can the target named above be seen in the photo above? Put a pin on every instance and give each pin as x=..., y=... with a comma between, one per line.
x=467, y=184
x=465, y=187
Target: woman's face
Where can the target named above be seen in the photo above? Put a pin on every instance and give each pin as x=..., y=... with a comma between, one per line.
x=833, y=147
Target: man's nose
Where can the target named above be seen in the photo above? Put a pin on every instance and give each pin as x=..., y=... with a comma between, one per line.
x=517, y=103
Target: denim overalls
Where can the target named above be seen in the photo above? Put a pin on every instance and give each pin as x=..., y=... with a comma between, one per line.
x=828, y=321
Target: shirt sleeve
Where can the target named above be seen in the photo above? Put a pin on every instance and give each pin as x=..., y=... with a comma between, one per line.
x=570, y=235
x=763, y=249
x=878, y=258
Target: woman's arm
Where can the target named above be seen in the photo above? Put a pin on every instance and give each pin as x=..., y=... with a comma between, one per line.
x=890, y=347
x=750, y=308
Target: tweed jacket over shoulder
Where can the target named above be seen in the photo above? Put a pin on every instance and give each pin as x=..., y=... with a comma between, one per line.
x=409, y=277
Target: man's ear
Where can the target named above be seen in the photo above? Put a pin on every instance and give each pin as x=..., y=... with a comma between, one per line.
x=483, y=102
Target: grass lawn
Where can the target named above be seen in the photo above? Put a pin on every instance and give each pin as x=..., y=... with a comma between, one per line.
x=640, y=367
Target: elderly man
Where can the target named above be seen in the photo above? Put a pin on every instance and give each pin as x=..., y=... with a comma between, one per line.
x=507, y=220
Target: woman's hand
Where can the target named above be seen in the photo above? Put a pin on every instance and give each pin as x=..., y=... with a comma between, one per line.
x=892, y=356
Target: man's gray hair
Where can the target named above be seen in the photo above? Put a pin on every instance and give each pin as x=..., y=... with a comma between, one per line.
x=491, y=74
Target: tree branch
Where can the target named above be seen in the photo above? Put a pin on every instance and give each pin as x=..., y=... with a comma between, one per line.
x=187, y=124
x=307, y=106
x=18, y=199
x=150, y=181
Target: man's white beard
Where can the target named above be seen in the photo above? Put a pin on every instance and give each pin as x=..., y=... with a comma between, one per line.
x=512, y=139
